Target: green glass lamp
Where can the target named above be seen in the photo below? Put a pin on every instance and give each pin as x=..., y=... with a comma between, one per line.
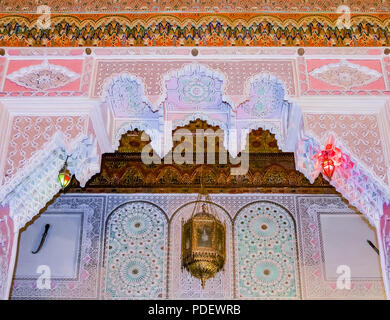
x=64, y=176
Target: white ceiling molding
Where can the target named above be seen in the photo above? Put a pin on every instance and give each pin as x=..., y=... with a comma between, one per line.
x=341, y=104
x=56, y=106
x=384, y=131
x=217, y=53
x=5, y=131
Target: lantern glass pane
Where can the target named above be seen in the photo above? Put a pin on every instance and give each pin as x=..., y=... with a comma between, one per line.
x=220, y=239
x=63, y=179
x=204, y=236
x=328, y=168
x=187, y=236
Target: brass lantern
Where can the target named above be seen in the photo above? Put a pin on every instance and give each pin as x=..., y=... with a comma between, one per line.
x=203, y=244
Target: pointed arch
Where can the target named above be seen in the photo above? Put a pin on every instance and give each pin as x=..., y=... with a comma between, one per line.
x=266, y=252
x=181, y=284
x=135, y=252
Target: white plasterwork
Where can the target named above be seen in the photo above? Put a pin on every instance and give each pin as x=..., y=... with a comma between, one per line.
x=346, y=79
x=84, y=161
x=271, y=79
x=120, y=100
x=36, y=184
x=5, y=251
x=19, y=75
x=356, y=184
x=188, y=70
x=366, y=169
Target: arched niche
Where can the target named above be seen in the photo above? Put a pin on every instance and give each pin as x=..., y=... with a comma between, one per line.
x=181, y=284
x=266, y=255
x=135, y=252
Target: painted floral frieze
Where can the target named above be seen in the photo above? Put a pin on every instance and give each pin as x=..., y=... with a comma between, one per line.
x=43, y=77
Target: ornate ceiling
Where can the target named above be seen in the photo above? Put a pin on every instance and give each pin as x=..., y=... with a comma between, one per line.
x=115, y=23
x=104, y=6
x=187, y=29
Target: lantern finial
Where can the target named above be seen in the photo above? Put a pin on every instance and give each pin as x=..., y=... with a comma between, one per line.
x=203, y=280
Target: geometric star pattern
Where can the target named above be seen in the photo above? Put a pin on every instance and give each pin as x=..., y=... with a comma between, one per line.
x=136, y=252
x=266, y=252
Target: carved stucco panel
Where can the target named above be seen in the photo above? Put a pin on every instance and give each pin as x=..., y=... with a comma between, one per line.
x=359, y=133
x=85, y=284
x=29, y=134
x=43, y=77
x=314, y=284
x=345, y=74
x=236, y=73
x=36, y=184
x=6, y=245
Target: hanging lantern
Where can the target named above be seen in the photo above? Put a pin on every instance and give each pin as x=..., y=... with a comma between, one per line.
x=203, y=245
x=330, y=158
x=64, y=176
x=328, y=168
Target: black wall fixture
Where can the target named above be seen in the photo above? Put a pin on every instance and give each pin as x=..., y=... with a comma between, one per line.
x=373, y=246
x=47, y=226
